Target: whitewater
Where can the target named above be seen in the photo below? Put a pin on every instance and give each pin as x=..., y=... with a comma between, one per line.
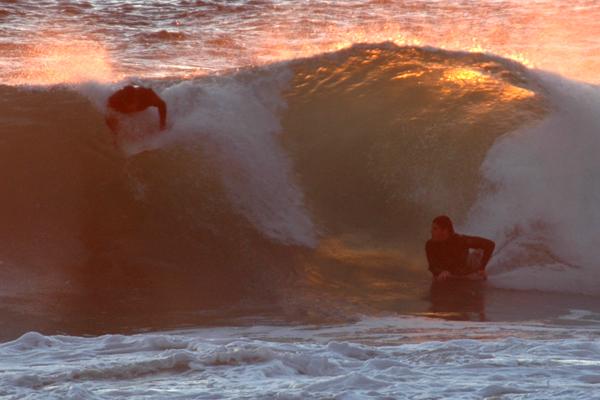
x=401, y=358
x=270, y=243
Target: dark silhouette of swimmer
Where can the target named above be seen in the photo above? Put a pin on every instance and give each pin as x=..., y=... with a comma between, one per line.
x=133, y=99
x=449, y=256
x=464, y=300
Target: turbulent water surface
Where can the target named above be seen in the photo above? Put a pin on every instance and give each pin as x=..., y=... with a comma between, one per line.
x=270, y=242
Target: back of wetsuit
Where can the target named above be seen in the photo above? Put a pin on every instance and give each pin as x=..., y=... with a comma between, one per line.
x=451, y=255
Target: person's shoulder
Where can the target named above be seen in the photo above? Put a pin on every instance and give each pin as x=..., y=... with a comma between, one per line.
x=473, y=237
x=478, y=240
x=459, y=238
x=117, y=98
x=144, y=90
x=430, y=244
x=149, y=93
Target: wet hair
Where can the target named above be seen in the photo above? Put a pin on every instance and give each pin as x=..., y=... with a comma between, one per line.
x=444, y=222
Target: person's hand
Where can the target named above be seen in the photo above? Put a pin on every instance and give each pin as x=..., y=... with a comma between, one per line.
x=113, y=124
x=477, y=276
x=483, y=274
x=443, y=276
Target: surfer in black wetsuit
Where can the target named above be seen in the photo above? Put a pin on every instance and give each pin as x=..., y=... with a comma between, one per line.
x=448, y=252
x=132, y=99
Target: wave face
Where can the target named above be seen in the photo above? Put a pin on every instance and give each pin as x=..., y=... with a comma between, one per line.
x=385, y=137
x=341, y=158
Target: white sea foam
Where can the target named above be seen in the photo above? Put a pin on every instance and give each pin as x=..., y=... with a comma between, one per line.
x=373, y=358
x=543, y=205
x=236, y=122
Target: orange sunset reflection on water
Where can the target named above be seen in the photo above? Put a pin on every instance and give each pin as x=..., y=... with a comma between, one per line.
x=283, y=46
x=468, y=78
x=190, y=40
x=65, y=62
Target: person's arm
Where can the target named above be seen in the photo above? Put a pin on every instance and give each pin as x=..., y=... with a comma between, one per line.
x=162, y=112
x=475, y=242
x=112, y=123
x=435, y=266
x=156, y=101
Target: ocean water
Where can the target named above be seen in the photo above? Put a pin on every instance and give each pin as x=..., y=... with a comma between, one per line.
x=270, y=243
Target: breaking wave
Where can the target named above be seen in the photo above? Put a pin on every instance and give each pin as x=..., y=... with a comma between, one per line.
x=268, y=172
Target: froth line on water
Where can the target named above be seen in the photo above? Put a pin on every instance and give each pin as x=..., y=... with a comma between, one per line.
x=375, y=357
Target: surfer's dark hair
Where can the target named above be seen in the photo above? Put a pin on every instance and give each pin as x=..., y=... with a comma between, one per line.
x=444, y=222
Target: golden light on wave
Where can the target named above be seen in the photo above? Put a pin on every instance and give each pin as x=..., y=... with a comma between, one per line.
x=64, y=62
x=468, y=77
x=364, y=256
x=285, y=45
x=521, y=58
x=410, y=74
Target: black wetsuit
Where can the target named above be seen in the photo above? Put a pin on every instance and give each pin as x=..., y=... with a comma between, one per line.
x=132, y=99
x=452, y=254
